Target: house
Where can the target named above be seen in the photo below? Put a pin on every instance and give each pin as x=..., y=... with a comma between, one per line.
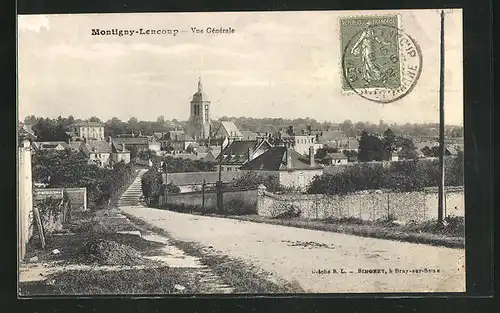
x=50, y=145
x=26, y=131
x=342, y=143
x=176, y=140
x=98, y=152
x=228, y=130
x=159, y=136
x=335, y=159
x=301, y=143
x=427, y=151
x=394, y=156
x=119, y=153
x=291, y=168
x=75, y=145
x=139, y=143
x=153, y=144
x=449, y=151
x=239, y=152
x=248, y=135
x=88, y=130
x=193, y=181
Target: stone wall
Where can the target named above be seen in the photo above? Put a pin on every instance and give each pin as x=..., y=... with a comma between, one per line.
x=194, y=200
x=367, y=205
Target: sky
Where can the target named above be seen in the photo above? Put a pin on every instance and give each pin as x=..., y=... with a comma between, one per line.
x=275, y=64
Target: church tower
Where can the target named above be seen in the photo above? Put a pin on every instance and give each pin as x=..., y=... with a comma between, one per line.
x=199, y=120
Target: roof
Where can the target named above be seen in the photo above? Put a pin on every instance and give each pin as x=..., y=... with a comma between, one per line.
x=75, y=145
x=158, y=136
x=200, y=95
x=196, y=178
x=50, y=144
x=237, y=151
x=248, y=135
x=117, y=148
x=275, y=159
x=89, y=124
x=331, y=135
x=422, y=144
x=188, y=156
x=98, y=146
x=452, y=150
x=336, y=156
x=231, y=129
x=27, y=128
x=178, y=135
x=131, y=140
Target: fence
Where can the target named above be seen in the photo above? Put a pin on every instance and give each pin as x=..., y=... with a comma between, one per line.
x=25, y=198
x=367, y=205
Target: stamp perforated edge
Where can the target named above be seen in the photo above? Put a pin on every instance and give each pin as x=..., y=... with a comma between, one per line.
x=348, y=91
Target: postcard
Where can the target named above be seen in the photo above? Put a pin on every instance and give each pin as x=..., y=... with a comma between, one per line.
x=283, y=152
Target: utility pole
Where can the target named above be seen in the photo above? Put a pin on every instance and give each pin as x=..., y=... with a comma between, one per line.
x=441, y=194
x=165, y=190
x=219, y=182
x=203, y=197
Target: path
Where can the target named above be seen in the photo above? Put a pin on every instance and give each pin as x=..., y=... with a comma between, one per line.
x=297, y=254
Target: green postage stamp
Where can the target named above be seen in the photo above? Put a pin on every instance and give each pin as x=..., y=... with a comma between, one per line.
x=379, y=61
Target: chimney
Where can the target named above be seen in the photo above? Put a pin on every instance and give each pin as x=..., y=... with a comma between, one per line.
x=288, y=155
x=123, y=146
x=311, y=156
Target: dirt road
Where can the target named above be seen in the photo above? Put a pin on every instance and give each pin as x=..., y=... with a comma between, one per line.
x=320, y=261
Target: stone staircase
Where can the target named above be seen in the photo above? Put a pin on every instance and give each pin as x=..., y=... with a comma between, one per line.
x=131, y=196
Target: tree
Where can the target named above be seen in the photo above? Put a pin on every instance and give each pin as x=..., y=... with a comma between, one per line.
x=408, y=149
x=160, y=119
x=347, y=128
x=30, y=120
x=370, y=148
x=94, y=119
x=388, y=143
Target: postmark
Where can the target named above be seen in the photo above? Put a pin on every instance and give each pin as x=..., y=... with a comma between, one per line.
x=380, y=62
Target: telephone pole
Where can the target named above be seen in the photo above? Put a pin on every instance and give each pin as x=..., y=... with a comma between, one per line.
x=441, y=194
x=219, y=182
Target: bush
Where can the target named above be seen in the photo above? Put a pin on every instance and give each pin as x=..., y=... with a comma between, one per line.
x=253, y=180
x=50, y=209
x=152, y=186
x=402, y=176
x=66, y=169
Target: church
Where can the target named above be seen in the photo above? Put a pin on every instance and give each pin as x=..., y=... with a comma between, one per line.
x=198, y=125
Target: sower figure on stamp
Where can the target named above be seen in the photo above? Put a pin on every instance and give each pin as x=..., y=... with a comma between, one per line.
x=364, y=46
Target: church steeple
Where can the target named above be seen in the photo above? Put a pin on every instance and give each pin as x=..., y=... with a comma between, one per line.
x=200, y=87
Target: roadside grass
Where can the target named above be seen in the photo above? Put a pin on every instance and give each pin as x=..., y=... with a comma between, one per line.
x=136, y=281
x=74, y=245
x=428, y=232
x=243, y=277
